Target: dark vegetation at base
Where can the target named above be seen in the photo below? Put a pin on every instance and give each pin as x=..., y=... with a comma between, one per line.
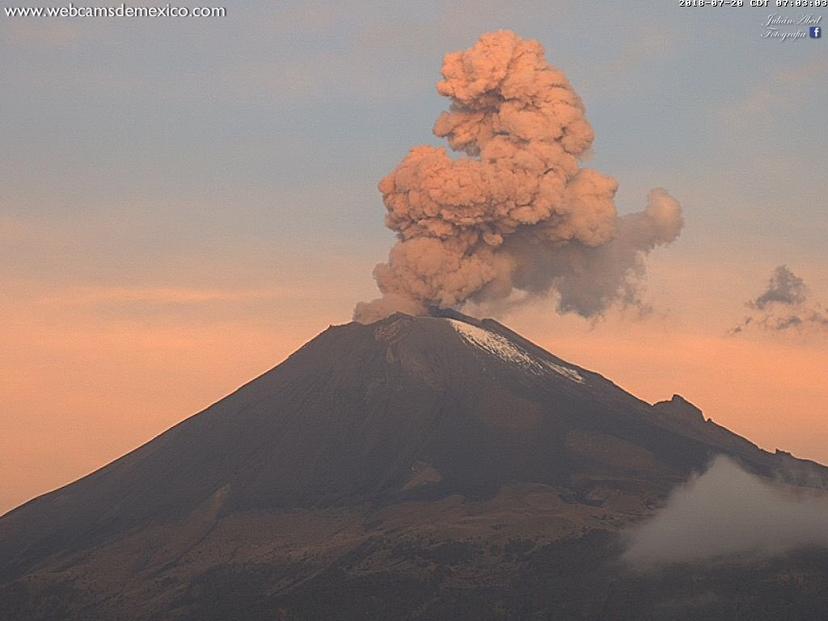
x=578, y=580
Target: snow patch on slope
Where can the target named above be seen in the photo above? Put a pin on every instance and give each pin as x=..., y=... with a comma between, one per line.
x=504, y=349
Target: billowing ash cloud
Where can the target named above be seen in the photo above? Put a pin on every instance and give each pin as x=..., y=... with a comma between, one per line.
x=516, y=213
x=727, y=511
x=783, y=305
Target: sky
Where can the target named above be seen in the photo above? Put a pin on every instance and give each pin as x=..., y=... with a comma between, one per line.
x=184, y=202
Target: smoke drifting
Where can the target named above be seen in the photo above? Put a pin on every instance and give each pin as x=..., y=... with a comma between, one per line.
x=516, y=214
x=728, y=511
x=783, y=305
x=784, y=287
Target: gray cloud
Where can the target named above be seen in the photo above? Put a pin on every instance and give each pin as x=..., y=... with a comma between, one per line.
x=588, y=279
x=784, y=287
x=727, y=511
x=783, y=305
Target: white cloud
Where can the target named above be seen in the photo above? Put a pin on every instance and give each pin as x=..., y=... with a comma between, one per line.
x=725, y=512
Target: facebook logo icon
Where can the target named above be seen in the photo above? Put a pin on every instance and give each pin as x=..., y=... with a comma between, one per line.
x=815, y=32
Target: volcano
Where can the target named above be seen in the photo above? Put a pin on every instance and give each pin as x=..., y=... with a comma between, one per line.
x=434, y=467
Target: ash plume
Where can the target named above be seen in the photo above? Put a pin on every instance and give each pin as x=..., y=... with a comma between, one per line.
x=516, y=213
x=783, y=305
x=727, y=511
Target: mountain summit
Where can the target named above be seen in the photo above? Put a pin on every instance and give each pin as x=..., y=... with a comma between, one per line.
x=417, y=467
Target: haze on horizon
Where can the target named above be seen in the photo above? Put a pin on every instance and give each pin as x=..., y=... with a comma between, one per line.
x=178, y=216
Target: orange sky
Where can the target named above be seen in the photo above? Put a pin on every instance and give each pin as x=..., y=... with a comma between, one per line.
x=89, y=373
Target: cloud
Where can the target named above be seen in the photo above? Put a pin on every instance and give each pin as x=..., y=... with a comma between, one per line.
x=783, y=305
x=784, y=287
x=516, y=216
x=727, y=511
